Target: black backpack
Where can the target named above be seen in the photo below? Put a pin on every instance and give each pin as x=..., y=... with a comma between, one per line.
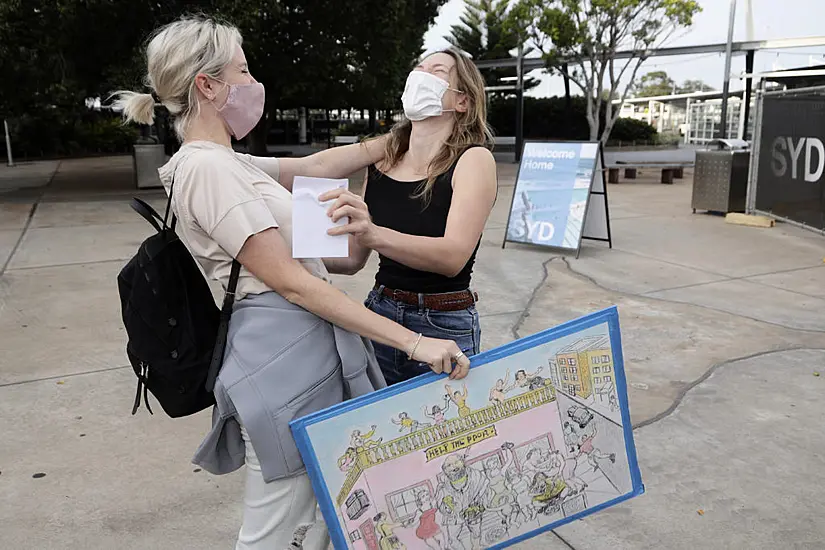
x=176, y=333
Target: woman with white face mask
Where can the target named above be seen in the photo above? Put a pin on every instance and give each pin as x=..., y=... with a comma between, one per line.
x=293, y=344
x=423, y=209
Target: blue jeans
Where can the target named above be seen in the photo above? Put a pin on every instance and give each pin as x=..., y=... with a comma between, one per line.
x=460, y=326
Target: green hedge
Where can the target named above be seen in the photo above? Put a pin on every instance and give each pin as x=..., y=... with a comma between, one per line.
x=55, y=134
x=544, y=118
x=552, y=118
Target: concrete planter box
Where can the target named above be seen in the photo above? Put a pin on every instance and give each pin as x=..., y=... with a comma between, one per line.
x=148, y=158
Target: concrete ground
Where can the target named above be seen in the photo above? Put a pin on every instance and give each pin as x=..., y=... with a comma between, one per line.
x=724, y=337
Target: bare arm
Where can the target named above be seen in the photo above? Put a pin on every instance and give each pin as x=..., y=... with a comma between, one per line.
x=474, y=193
x=338, y=162
x=267, y=256
x=358, y=253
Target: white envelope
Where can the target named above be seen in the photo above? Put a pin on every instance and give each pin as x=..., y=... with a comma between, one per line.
x=310, y=222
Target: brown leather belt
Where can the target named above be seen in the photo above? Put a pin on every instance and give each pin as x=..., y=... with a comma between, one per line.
x=450, y=301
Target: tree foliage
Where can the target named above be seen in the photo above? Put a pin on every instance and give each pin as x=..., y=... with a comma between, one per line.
x=484, y=34
x=658, y=83
x=308, y=53
x=585, y=35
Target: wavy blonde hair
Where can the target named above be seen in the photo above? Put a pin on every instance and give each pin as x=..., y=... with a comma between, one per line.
x=470, y=127
x=175, y=55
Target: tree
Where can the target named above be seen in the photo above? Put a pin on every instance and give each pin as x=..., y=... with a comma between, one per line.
x=382, y=49
x=689, y=86
x=308, y=53
x=585, y=36
x=484, y=34
x=656, y=83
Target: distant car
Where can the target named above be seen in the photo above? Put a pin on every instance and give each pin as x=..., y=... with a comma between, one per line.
x=580, y=416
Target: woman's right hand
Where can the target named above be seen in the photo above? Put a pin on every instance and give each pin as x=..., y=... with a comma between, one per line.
x=440, y=355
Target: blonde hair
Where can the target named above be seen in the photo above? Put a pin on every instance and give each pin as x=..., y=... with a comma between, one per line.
x=470, y=127
x=175, y=55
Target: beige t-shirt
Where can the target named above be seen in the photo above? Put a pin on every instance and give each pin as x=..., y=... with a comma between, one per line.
x=222, y=198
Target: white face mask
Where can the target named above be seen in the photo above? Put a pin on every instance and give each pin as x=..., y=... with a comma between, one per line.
x=422, y=95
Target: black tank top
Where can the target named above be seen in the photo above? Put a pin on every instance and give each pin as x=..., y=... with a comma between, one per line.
x=392, y=205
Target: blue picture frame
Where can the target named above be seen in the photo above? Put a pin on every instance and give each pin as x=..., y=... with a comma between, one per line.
x=607, y=316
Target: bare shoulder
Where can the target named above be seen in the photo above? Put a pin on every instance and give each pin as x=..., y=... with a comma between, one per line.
x=477, y=156
x=476, y=165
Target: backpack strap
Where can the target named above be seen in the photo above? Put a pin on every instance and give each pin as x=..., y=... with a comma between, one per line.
x=223, y=327
x=226, y=308
x=147, y=212
x=169, y=208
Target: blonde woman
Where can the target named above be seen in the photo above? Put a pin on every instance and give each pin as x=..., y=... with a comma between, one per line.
x=423, y=209
x=293, y=344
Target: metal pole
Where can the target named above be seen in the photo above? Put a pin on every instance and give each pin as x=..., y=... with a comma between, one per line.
x=8, y=142
x=750, y=197
x=748, y=92
x=726, y=82
x=519, y=103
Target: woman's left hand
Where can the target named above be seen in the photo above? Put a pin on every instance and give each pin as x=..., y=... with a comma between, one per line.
x=350, y=205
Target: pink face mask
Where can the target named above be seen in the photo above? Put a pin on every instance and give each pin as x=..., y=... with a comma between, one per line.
x=244, y=107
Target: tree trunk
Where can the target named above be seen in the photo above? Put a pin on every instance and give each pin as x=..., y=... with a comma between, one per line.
x=256, y=140
x=592, y=118
x=373, y=126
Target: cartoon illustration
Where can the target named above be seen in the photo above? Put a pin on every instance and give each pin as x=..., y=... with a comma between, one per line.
x=460, y=400
x=502, y=496
x=593, y=454
x=408, y=423
x=436, y=414
x=427, y=529
x=385, y=529
x=580, y=415
x=346, y=460
x=461, y=500
x=548, y=492
x=614, y=402
x=525, y=511
x=531, y=381
x=498, y=392
x=358, y=441
x=511, y=450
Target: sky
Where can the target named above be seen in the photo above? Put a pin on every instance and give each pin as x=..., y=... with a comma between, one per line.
x=772, y=19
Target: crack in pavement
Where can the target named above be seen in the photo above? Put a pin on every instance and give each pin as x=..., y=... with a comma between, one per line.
x=707, y=374
x=563, y=540
x=526, y=311
x=680, y=397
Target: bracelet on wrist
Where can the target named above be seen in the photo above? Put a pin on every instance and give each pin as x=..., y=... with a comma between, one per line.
x=415, y=346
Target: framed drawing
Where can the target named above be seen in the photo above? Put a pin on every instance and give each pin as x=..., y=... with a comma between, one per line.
x=536, y=436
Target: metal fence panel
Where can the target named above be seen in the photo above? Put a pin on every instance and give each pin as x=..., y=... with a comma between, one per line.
x=788, y=172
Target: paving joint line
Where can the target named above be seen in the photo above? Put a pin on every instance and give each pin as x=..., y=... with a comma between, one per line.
x=748, y=278
x=29, y=220
x=499, y=314
x=61, y=376
x=70, y=264
x=671, y=301
x=682, y=393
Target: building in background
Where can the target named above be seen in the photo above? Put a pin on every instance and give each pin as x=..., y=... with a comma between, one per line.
x=585, y=367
